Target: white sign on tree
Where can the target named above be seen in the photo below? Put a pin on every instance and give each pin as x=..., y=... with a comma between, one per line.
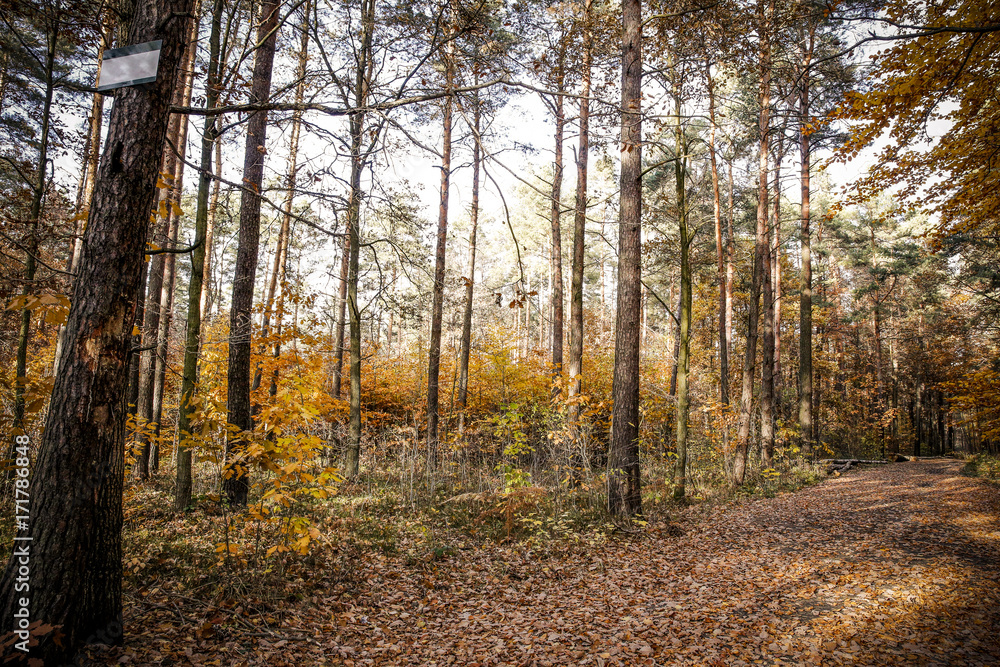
x=129, y=66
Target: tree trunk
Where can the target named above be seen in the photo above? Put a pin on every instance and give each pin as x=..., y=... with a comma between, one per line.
x=684, y=314
x=273, y=305
x=761, y=249
x=189, y=380
x=206, y=285
x=437, y=306
x=575, y=385
x=764, y=243
x=466, y=345
x=338, y=363
x=719, y=247
x=805, y=278
x=776, y=281
x=358, y=160
x=75, y=525
x=236, y=481
x=31, y=246
x=556, y=209
x=624, y=490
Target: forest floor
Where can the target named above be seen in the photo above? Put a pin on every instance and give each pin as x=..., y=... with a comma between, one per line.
x=892, y=565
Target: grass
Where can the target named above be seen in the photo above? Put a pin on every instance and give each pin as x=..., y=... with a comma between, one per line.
x=986, y=466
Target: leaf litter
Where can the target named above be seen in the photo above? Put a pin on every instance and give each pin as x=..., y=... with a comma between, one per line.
x=892, y=565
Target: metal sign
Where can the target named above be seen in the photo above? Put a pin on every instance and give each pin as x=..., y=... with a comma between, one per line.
x=129, y=66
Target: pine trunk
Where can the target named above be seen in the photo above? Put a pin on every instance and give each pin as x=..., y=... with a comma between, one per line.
x=76, y=517
x=624, y=491
x=236, y=482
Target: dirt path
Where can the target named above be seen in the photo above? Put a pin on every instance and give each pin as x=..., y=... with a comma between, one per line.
x=896, y=564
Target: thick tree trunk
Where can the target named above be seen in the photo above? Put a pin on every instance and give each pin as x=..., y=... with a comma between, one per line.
x=189, y=380
x=75, y=521
x=236, y=478
x=624, y=490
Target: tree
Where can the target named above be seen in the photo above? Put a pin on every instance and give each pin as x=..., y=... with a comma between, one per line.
x=624, y=490
x=236, y=482
x=437, y=306
x=575, y=386
x=76, y=487
x=192, y=343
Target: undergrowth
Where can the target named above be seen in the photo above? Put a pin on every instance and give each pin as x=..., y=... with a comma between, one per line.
x=986, y=466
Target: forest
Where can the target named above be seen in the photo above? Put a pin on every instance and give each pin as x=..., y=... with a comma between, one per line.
x=499, y=332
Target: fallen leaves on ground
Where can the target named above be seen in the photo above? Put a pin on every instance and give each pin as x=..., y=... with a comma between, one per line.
x=893, y=565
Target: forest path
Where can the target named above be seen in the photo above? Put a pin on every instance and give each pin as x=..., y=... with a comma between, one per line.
x=896, y=564
x=892, y=565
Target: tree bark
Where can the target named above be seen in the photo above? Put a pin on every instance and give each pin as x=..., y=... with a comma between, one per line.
x=684, y=314
x=358, y=161
x=76, y=517
x=624, y=490
x=466, y=345
x=764, y=245
x=236, y=482
x=805, y=276
x=719, y=247
x=437, y=306
x=575, y=385
x=554, y=216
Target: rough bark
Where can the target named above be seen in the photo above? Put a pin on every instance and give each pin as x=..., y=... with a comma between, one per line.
x=624, y=491
x=76, y=514
x=237, y=481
